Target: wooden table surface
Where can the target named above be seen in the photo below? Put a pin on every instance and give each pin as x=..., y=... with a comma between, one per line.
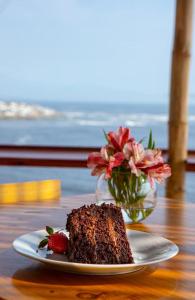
x=22, y=278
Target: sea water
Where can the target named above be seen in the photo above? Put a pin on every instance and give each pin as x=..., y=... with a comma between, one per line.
x=82, y=124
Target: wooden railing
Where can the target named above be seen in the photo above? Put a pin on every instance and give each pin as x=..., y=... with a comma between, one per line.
x=58, y=156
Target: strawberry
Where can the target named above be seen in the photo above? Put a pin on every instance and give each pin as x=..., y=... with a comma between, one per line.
x=58, y=242
x=55, y=241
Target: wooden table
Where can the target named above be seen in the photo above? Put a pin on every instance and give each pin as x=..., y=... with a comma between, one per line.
x=22, y=278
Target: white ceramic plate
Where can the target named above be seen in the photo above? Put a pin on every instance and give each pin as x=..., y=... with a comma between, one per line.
x=147, y=249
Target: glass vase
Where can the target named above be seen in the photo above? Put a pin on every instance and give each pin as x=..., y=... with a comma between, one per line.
x=133, y=194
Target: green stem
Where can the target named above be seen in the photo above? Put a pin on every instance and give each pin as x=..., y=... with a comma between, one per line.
x=126, y=189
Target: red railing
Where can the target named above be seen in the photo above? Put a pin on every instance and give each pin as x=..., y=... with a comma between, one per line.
x=58, y=156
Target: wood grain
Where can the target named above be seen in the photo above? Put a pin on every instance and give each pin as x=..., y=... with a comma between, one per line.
x=22, y=278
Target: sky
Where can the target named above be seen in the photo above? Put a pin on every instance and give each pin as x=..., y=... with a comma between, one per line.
x=83, y=50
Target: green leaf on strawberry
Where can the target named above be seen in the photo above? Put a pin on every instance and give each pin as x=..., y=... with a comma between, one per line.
x=49, y=230
x=55, y=241
x=43, y=243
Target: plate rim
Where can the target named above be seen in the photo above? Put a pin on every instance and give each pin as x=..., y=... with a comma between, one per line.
x=97, y=266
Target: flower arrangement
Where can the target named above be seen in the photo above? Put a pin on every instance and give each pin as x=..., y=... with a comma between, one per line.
x=127, y=165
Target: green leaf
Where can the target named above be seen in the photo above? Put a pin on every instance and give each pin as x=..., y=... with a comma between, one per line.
x=49, y=230
x=43, y=243
x=150, y=142
x=105, y=134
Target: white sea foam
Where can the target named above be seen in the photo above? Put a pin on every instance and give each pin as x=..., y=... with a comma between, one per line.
x=24, y=140
x=93, y=123
x=19, y=110
x=109, y=119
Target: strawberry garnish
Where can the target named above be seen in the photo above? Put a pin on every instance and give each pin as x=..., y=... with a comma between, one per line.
x=55, y=241
x=58, y=242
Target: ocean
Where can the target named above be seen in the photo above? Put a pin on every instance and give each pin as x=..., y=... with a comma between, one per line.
x=82, y=124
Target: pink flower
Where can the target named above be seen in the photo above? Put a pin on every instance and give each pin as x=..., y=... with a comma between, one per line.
x=123, y=150
x=133, y=167
x=119, y=138
x=101, y=162
x=97, y=163
x=134, y=153
x=159, y=173
x=134, y=150
x=114, y=161
x=141, y=160
x=150, y=158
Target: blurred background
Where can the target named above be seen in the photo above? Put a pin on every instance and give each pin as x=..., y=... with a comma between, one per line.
x=71, y=69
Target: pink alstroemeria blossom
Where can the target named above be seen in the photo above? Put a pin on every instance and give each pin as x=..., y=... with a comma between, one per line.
x=101, y=162
x=96, y=163
x=123, y=151
x=152, y=157
x=158, y=173
x=134, y=154
x=119, y=138
x=133, y=167
x=140, y=159
x=134, y=150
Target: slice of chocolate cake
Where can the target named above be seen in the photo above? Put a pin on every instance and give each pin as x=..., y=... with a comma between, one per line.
x=97, y=235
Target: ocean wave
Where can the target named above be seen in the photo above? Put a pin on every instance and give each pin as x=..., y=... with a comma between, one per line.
x=25, y=139
x=103, y=118
x=21, y=111
x=110, y=119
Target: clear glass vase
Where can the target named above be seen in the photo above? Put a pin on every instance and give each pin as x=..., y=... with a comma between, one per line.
x=133, y=194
